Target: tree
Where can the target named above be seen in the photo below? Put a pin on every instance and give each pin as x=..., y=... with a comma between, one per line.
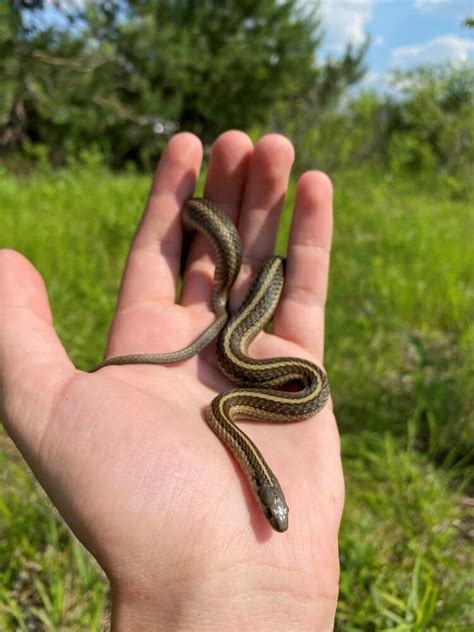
x=44, y=74
x=207, y=66
x=431, y=123
x=118, y=72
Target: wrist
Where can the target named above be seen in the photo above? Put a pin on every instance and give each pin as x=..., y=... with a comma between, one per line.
x=217, y=605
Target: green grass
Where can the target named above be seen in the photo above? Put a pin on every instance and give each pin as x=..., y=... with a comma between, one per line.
x=47, y=580
x=399, y=344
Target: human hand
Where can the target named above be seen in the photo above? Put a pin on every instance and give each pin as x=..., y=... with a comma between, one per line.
x=125, y=453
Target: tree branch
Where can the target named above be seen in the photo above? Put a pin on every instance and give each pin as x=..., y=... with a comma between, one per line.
x=68, y=63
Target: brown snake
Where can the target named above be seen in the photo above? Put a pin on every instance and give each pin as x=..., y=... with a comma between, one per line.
x=259, y=394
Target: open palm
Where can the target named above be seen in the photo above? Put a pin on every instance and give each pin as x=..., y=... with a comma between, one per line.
x=125, y=453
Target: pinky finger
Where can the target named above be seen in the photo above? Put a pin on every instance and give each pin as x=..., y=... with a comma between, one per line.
x=300, y=315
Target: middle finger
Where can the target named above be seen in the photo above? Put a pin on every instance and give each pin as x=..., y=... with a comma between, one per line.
x=225, y=185
x=264, y=196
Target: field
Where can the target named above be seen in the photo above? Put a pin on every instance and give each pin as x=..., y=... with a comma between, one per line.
x=399, y=349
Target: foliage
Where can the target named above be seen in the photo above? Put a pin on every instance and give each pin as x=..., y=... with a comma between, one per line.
x=46, y=577
x=123, y=72
x=404, y=551
x=47, y=78
x=306, y=115
x=399, y=343
x=433, y=122
x=425, y=123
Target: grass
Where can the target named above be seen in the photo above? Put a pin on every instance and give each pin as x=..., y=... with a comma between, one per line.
x=399, y=340
x=48, y=581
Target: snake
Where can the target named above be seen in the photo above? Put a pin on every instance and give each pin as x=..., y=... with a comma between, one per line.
x=261, y=384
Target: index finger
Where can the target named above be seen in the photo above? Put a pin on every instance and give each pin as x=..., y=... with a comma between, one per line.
x=153, y=263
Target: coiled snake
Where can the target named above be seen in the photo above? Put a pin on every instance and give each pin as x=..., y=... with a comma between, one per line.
x=259, y=382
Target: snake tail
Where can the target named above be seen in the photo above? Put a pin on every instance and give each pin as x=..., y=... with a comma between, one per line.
x=204, y=216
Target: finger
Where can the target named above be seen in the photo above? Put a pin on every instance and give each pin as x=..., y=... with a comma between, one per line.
x=300, y=314
x=33, y=362
x=267, y=182
x=153, y=263
x=226, y=176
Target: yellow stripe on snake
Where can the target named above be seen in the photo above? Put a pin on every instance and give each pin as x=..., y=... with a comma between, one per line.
x=259, y=395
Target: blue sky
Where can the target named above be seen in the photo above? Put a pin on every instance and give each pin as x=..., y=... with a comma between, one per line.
x=405, y=33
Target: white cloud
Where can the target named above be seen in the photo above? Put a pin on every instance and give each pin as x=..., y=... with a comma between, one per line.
x=452, y=48
x=374, y=80
x=459, y=7
x=382, y=83
x=64, y=4
x=344, y=21
x=427, y=5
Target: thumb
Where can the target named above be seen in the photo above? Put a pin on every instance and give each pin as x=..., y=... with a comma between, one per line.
x=34, y=366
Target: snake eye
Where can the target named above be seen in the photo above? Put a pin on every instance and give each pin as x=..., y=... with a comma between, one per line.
x=268, y=513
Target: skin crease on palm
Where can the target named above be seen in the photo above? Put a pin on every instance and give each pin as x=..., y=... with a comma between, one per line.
x=125, y=453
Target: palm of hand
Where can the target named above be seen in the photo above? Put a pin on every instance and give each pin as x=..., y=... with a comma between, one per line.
x=126, y=454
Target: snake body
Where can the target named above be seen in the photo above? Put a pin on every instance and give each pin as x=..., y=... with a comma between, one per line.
x=207, y=218
x=258, y=396
x=259, y=381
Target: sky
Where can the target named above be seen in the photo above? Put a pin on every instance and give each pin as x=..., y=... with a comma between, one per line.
x=404, y=33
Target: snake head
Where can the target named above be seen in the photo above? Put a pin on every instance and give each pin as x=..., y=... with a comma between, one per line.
x=274, y=505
